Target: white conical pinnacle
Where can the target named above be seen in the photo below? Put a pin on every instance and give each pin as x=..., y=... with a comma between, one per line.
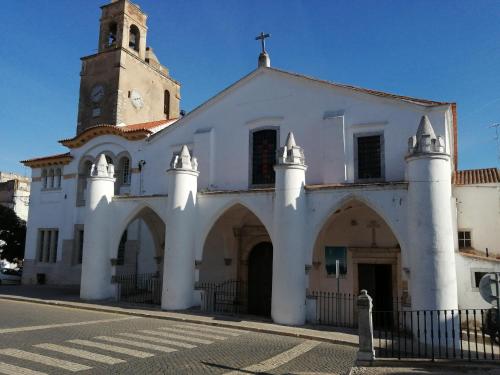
x=425, y=127
x=290, y=141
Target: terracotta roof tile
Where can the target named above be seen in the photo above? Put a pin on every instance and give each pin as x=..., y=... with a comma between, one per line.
x=48, y=160
x=131, y=132
x=477, y=176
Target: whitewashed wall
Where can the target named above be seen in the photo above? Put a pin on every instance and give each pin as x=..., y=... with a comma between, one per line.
x=468, y=294
x=478, y=210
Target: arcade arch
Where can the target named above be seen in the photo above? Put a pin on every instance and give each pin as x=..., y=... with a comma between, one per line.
x=368, y=251
x=237, y=248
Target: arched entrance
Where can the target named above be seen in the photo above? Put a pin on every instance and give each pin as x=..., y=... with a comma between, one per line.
x=236, y=252
x=369, y=258
x=139, y=258
x=260, y=279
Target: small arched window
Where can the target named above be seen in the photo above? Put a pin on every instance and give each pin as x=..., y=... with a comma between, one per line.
x=44, y=178
x=51, y=179
x=57, y=183
x=112, y=34
x=166, y=103
x=134, y=37
x=124, y=170
x=83, y=174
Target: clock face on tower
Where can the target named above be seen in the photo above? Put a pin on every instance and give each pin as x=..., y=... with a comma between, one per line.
x=136, y=99
x=97, y=93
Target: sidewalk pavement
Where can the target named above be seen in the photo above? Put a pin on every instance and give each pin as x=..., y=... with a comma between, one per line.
x=69, y=297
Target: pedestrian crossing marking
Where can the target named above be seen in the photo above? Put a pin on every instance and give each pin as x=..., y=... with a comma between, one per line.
x=278, y=360
x=219, y=330
x=200, y=334
x=113, y=348
x=7, y=369
x=45, y=360
x=159, y=340
x=144, y=345
x=85, y=354
x=180, y=337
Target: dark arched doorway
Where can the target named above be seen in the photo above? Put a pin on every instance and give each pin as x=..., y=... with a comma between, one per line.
x=260, y=279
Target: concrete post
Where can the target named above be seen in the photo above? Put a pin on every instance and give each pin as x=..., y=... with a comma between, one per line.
x=96, y=265
x=366, y=351
x=178, y=265
x=288, y=304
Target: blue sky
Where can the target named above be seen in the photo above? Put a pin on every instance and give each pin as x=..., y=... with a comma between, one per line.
x=444, y=50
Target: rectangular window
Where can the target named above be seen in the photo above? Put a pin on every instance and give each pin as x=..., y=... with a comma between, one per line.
x=48, y=240
x=264, y=144
x=79, y=249
x=369, y=157
x=478, y=276
x=464, y=239
x=332, y=254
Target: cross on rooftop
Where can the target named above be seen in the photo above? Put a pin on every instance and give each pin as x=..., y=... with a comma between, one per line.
x=262, y=37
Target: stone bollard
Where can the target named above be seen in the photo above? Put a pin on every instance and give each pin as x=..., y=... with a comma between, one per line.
x=366, y=353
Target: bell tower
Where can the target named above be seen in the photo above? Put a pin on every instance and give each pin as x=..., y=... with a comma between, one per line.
x=124, y=82
x=123, y=25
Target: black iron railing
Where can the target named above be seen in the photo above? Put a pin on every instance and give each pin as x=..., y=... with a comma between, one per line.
x=139, y=288
x=471, y=334
x=335, y=309
x=228, y=297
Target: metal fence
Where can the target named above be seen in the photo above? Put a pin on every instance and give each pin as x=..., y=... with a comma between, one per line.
x=471, y=334
x=228, y=297
x=335, y=309
x=139, y=288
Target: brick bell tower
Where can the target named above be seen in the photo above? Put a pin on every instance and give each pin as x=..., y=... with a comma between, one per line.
x=124, y=83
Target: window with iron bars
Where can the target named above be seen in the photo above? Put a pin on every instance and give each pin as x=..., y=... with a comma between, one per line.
x=464, y=239
x=369, y=157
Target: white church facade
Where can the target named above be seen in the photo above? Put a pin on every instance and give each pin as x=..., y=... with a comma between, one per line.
x=267, y=183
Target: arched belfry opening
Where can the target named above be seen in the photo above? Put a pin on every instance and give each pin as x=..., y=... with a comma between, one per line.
x=138, y=259
x=112, y=34
x=236, y=268
x=134, y=38
x=369, y=258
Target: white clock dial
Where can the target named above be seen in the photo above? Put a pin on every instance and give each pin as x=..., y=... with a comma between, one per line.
x=136, y=99
x=97, y=93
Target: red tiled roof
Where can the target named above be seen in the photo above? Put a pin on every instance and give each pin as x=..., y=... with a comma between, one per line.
x=147, y=125
x=477, y=176
x=132, y=132
x=60, y=159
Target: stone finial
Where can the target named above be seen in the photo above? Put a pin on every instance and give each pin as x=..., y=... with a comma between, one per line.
x=425, y=141
x=290, y=153
x=183, y=160
x=102, y=168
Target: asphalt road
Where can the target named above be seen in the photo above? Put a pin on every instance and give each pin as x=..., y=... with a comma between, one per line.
x=40, y=339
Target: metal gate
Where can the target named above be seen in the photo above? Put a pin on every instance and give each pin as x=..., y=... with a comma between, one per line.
x=139, y=288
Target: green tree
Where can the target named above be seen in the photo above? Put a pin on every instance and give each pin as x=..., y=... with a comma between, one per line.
x=12, y=235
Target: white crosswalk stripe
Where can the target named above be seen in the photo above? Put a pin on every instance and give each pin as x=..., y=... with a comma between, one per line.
x=85, y=354
x=7, y=369
x=179, y=337
x=45, y=360
x=200, y=334
x=219, y=330
x=113, y=348
x=159, y=340
x=144, y=345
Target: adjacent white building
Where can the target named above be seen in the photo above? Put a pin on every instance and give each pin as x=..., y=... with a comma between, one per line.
x=267, y=183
